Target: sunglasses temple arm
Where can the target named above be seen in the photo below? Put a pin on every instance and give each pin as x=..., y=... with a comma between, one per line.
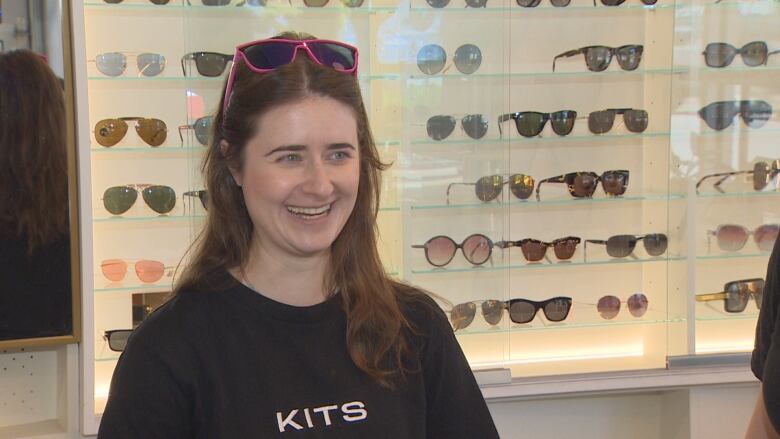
x=449, y=188
x=566, y=55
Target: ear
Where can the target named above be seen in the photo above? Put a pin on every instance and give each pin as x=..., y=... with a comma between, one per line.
x=224, y=147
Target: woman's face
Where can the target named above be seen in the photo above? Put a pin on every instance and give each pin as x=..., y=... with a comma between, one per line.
x=300, y=176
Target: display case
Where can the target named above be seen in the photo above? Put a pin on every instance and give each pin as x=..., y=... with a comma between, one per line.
x=548, y=201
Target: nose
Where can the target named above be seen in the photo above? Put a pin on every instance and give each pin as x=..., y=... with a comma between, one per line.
x=319, y=179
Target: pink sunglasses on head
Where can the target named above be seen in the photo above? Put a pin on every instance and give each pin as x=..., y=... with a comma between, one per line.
x=263, y=56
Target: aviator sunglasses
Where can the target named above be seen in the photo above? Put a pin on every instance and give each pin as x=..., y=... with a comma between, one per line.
x=108, y=132
x=733, y=237
x=115, y=63
x=440, y=127
x=609, y=306
x=620, y=246
x=720, y=115
x=201, y=127
x=762, y=174
x=597, y=58
x=736, y=294
x=755, y=53
x=531, y=123
x=263, y=56
x=148, y=271
x=119, y=199
x=432, y=58
x=489, y=188
x=583, y=184
x=521, y=311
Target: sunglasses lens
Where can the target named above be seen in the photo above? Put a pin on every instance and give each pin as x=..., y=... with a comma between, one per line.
x=656, y=244
x=528, y=3
x=210, y=64
x=628, y=57
x=489, y=188
x=765, y=236
x=756, y=113
x=584, y=185
x=108, y=132
x=719, y=115
x=315, y=3
x=437, y=3
x=216, y=2
x=637, y=304
x=114, y=269
x=431, y=59
x=352, y=3
x=608, y=307
x=149, y=271
x=737, y=296
x=202, y=128
x=269, y=55
x=161, y=199
x=522, y=186
x=150, y=64
x=462, y=315
x=256, y=2
x=754, y=54
x=612, y=2
x=636, y=120
x=614, y=182
x=152, y=131
x=476, y=3
x=719, y=54
x=533, y=250
x=117, y=340
x=530, y=123
x=760, y=175
x=599, y=122
x=560, y=3
x=556, y=310
x=440, y=127
x=521, y=311
x=111, y=64
x=563, y=121
x=334, y=55
x=204, y=199
x=467, y=58
x=440, y=250
x=475, y=125
x=119, y=199
x=493, y=310
x=597, y=58
x=477, y=249
x=731, y=237
x=620, y=246
x=565, y=248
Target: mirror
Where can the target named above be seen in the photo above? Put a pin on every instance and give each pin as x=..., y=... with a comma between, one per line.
x=39, y=258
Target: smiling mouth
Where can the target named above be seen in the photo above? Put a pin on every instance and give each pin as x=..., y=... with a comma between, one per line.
x=310, y=212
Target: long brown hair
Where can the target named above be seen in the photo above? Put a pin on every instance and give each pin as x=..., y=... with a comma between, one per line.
x=33, y=163
x=376, y=325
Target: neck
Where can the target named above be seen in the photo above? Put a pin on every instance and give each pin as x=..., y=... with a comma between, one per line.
x=291, y=280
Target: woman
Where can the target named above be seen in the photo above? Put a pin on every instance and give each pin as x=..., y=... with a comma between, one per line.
x=766, y=356
x=285, y=323
x=35, y=271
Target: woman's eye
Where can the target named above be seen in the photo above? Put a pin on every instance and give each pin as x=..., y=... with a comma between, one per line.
x=341, y=155
x=290, y=158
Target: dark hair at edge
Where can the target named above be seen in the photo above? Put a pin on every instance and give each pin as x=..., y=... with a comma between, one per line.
x=377, y=329
x=33, y=155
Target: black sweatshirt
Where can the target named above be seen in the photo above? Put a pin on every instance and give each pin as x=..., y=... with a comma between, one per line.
x=234, y=364
x=766, y=355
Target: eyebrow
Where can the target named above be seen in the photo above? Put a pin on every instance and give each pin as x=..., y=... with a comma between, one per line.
x=296, y=148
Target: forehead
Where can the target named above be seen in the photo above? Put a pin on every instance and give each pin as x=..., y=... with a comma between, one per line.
x=310, y=121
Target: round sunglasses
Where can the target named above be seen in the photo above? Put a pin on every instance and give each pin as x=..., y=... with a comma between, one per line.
x=432, y=58
x=609, y=306
x=440, y=250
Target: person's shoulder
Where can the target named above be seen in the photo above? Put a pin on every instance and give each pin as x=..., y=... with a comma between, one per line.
x=421, y=309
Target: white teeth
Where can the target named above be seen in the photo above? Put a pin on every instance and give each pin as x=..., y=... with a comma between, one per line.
x=309, y=211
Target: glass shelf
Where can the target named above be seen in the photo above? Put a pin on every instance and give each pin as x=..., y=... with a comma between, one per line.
x=493, y=205
x=727, y=256
x=738, y=69
x=218, y=80
x=534, y=265
x=136, y=288
x=537, y=326
x=736, y=129
x=279, y=7
x=550, y=138
x=148, y=149
x=736, y=316
x=135, y=219
x=750, y=7
x=751, y=194
x=541, y=8
x=586, y=73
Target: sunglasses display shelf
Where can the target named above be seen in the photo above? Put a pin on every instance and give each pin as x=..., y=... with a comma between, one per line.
x=724, y=131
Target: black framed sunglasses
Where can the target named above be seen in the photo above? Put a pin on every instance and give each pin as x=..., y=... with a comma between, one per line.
x=754, y=54
x=736, y=294
x=535, y=3
x=600, y=122
x=202, y=195
x=440, y=250
x=490, y=187
x=620, y=246
x=762, y=174
x=201, y=127
x=598, y=58
x=583, y=184
x=531, y=123
x=720, y=115
x=210, y=64
x=117, y=338
x=441, y=126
